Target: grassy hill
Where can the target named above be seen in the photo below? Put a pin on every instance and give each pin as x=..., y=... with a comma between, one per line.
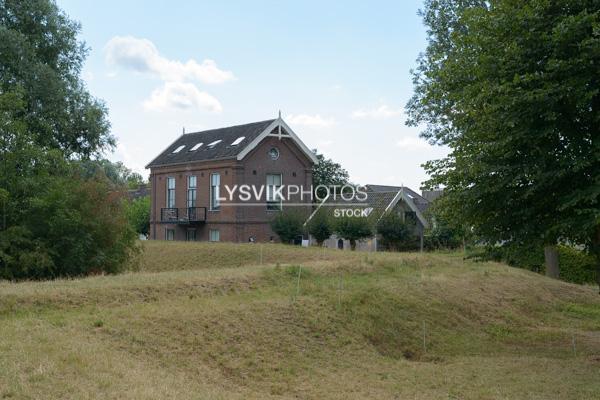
x=200, y=320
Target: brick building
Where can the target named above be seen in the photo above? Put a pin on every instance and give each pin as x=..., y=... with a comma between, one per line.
x=192, y=178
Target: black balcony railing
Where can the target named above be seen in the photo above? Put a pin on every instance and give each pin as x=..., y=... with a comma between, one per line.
x=187, y=215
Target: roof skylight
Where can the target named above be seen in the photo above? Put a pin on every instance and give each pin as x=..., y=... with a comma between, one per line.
x=196, y=146
x=177, y=150
x=238, y=140
x=213, y=144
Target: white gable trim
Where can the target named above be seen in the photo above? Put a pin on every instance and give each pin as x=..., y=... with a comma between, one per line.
x=411, y=205
x=278, y=123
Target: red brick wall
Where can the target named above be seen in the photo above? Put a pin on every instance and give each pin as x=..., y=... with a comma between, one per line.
x=235, y=223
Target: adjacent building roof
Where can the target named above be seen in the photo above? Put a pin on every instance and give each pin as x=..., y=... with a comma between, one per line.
x=419, y=201
x=380, y=199
x=431, y=195
x=140, y=192
x=223, y=143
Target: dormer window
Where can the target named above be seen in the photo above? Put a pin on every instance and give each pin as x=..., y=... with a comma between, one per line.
x=213, y=144
x=177, y=150
x=196, y=146
x=238, y=140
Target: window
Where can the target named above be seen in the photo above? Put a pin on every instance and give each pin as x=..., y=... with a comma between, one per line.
x=177, y=150
x=170, y=234
x=213, y=144
x=238, y=140
x=214, y=235
x=170, y=192
x=196, y=146
x=191, y=191
x=215, y=182
x=274, y=153
x=274, y=199
x=190, y=235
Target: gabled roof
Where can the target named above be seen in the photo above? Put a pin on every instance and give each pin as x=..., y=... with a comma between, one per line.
x=380, y=199
x=419, y=201
x=253, y=133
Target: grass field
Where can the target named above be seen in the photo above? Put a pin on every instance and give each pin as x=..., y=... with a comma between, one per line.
x=199, y=320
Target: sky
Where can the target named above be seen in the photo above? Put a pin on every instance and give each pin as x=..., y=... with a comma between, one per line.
x=338, y=71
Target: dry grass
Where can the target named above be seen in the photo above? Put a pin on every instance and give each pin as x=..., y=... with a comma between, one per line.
x=209, y=321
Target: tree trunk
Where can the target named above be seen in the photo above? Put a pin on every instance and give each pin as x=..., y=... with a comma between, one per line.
x=352, y=244
x=551, y=258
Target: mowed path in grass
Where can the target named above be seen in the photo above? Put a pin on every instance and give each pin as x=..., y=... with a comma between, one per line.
x=216, y=320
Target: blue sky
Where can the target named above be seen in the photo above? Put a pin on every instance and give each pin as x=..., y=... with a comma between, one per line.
x=339, y=72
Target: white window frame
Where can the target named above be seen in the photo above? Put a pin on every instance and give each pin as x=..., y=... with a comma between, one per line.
x=192, y=191
x=167, y=230
x=271, y=201
x=171, y=201
x=214, y=235
x=215, y=204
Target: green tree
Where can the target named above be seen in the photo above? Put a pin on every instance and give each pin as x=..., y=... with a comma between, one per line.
x=288, y=225
x=353, y=229
x=395, y=233
x=55, y=222
x=513, y=89
x=320, y=227
x=447, y=230
x=116, y=172
x=41, y=57
x=138, y=214
x=328, y=173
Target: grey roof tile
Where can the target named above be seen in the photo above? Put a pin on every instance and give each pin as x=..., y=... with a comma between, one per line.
x=222, y=150
x=420, y=202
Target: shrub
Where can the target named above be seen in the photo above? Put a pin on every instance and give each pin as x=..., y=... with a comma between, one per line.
x=72, y=227
x=575, y=265
x=353, y=229
x=320, y=227
x=287, y=225
x=395, y=233
x=138, y=214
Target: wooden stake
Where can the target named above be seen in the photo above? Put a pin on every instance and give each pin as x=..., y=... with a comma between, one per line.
x=424, y=342
x=298, y=283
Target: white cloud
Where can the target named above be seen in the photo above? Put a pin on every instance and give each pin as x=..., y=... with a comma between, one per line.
x=315, y=121
x=182, y=96
x=141, y=55
x=412, y=143
x=123, y=154
x=381, y=112
x=325, y=143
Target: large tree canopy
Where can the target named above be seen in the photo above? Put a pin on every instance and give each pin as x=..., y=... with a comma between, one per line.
x=41, y=57
x=513, y=88
x=58, y=218
x=327, y=172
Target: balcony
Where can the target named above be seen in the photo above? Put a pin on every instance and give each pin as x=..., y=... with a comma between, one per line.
x=184, y=216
